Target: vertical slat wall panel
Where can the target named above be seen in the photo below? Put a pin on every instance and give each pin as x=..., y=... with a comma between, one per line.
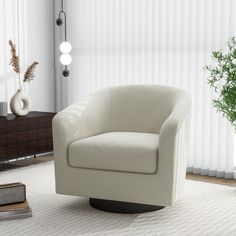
x=2, y=54
x=9, y=30
x=206, y=93
x=161, y=42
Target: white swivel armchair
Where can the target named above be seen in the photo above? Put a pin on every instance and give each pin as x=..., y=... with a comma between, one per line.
x=124, y=147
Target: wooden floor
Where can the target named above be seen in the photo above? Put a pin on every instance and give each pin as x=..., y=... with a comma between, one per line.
x=214, y=180
x=25, y=162
x=41, y=159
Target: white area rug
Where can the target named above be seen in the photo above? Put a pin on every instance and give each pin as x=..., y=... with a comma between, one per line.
x=207, y=209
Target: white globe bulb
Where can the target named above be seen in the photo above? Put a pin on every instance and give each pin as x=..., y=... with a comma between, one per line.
x=65, y=47
x=65, y=59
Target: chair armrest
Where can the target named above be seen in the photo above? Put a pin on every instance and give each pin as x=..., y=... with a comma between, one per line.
x=173, y=144
x=70, y=124
x=85, y=118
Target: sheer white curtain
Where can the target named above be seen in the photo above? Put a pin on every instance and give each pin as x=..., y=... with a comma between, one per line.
x=12, y=15
x=155, y=42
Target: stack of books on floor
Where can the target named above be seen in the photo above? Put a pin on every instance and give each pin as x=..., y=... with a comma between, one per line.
x=13, y=202
x=15, y=211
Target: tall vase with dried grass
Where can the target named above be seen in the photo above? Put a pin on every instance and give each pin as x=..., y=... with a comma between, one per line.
x=20, y=102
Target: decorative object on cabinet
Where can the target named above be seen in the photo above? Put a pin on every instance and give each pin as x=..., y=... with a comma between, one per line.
x=20, y=102
x=3, y=108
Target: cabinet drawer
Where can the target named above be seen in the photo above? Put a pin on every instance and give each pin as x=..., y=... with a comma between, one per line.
x=3, y=140
x=3, y=153
x=22, y=136
x=34, y=123
x=7, y=127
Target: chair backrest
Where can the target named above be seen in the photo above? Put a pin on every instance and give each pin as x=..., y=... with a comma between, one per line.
x=141, y=108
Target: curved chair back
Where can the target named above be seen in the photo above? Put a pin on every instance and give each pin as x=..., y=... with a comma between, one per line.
x=141, y=108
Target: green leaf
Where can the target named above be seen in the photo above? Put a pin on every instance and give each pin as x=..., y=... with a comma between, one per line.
x=223, y=79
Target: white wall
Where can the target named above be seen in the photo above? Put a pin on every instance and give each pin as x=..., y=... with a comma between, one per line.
x=36, y=36
x=8, y=30
x=41, y=48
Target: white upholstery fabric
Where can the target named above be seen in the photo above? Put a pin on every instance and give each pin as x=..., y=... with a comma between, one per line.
x=134, y=110
x=153, y=109
x=117, y=151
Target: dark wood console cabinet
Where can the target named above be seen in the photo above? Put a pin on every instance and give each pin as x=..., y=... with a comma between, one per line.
x=25, y=136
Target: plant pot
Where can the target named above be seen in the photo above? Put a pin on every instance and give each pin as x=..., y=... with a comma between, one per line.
x=20, y=103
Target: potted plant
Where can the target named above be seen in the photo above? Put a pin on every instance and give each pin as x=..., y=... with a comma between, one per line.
x=20, y=98
x=223, y=79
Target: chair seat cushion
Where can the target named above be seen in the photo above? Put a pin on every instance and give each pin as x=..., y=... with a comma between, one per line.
x=116, y=151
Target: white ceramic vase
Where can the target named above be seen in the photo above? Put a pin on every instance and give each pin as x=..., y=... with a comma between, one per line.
x=20, y=103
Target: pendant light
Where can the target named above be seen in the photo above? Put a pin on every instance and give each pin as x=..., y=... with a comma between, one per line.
x=65, y=47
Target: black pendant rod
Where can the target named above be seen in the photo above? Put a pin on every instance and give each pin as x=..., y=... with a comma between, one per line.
x=62, y=5
x=59, y=22
x=63, y=13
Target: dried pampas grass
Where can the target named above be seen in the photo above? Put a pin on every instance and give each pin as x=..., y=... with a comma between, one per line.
x=14, y=61
x=29, y=74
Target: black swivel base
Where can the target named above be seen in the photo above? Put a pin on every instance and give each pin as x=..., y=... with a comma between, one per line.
x=122, y=207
